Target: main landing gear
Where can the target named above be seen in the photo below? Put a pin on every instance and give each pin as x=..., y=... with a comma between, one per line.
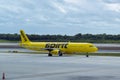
x=49, y=54
x=59, y=53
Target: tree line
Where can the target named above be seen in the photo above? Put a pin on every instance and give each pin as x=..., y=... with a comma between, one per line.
x=59, y=38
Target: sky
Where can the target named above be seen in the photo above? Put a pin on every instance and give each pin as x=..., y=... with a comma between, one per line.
x=60, y=16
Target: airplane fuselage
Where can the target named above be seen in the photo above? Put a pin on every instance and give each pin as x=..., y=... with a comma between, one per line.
x=64, y=47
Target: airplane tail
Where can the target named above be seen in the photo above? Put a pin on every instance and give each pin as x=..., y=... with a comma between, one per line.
x=24, y=37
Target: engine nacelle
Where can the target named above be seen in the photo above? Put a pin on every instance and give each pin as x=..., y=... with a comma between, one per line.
x=56, y=52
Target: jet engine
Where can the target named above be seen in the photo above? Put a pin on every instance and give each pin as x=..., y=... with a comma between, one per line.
x=56, y=52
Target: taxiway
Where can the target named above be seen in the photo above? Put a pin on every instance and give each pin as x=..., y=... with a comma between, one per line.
x=19, y=66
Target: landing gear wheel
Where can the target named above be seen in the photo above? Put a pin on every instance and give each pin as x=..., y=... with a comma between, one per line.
x=87, y=55
x=60, y=54
x=49, y=54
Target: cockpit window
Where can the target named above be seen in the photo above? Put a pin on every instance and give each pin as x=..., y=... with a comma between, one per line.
x=91, y=46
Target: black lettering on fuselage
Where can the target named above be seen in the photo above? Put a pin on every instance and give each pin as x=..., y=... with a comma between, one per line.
x=56, y=45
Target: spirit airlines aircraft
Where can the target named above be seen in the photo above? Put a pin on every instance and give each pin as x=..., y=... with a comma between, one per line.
x=59, y=48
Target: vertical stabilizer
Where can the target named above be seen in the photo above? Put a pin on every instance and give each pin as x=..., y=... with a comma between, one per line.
x=24, y=37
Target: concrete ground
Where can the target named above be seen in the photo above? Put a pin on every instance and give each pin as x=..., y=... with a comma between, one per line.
x=19, y=66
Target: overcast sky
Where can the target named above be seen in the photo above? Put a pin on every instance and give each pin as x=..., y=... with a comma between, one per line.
x=60, y=16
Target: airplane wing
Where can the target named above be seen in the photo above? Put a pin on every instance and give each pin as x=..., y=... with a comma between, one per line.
x=50, y=49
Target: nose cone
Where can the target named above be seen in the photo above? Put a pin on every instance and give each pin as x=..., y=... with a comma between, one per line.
x=95, y=49
x=92, y=48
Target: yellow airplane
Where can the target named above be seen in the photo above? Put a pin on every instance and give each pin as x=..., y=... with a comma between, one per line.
x=59, y=48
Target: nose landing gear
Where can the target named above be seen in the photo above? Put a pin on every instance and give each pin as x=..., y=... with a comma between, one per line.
x=87, y=55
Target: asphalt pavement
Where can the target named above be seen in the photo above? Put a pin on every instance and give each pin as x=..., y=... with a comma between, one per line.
x=19, y=66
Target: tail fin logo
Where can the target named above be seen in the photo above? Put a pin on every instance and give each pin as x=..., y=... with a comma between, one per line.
x=24, y=37
x=22, y=33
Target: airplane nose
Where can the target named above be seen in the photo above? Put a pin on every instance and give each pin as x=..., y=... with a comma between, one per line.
x=95, y=49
